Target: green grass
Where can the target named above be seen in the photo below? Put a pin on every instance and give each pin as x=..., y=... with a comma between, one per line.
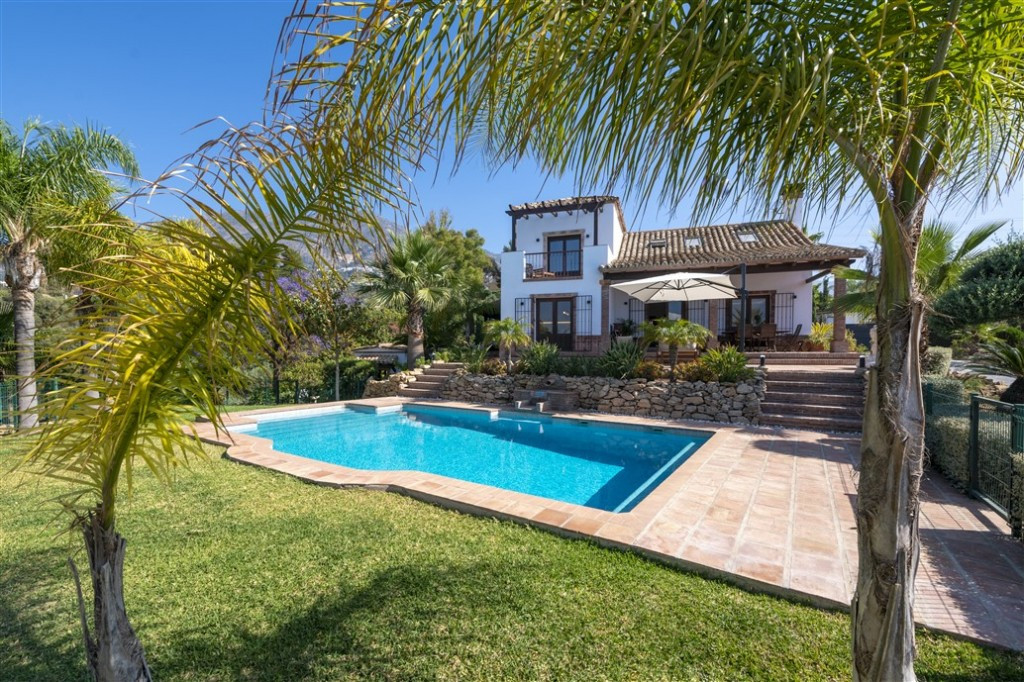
x=241, y=574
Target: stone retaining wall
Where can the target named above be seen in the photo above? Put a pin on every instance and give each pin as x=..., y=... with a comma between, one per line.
x=738, y=403
x=387, y=387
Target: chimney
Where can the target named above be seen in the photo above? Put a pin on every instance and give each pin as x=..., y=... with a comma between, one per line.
x=793, y=203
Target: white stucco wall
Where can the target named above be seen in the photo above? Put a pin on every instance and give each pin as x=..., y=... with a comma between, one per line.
x=531, y=230
x=513, y=286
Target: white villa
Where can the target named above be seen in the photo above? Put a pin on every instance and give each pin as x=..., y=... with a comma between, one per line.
x=566, y=254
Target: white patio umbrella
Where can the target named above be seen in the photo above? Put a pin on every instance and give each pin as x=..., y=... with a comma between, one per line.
x=680, y=286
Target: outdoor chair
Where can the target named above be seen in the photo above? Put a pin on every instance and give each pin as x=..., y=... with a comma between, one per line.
x=791, y=342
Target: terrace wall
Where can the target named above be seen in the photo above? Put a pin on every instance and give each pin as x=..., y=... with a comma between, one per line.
x=738, y=403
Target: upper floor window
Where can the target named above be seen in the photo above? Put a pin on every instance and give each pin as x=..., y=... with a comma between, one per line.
x=564, y=255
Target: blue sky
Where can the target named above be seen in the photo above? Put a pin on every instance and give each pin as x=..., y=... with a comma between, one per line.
x=151, y=70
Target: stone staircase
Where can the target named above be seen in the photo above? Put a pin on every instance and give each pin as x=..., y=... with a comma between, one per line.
x=822, y=399
x=429, y=380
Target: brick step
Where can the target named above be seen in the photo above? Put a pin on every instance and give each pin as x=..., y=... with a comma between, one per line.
x=830, y=377
x=798, y=397
x=801, y=355
x=808, y=409
x=446, y=365
x=437, y=372
x=432, y=379
x=845, y=425
x=408, y=392
x=822, y=361
x=814, y=387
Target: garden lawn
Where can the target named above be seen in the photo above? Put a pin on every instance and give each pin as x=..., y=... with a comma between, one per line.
x=237, y=573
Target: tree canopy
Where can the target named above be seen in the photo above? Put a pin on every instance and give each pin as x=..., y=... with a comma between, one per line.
x=990, y=289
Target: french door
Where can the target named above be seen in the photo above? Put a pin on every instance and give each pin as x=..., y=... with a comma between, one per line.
x=556, y=321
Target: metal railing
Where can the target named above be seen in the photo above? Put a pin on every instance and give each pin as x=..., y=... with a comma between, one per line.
x=980, y=432
x=549, y=264
x=997, y=431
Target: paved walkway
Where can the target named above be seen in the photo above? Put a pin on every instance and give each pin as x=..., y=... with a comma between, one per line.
x=772, y=510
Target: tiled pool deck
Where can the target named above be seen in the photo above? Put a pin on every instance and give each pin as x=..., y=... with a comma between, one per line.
x=769, y=509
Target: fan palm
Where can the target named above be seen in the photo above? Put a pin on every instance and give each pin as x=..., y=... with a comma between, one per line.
x=885, y=98
x=674, y=334
x=415, y=276
x=507, y=335
x=1003, y=357
x=47, y=174
x=939, y=264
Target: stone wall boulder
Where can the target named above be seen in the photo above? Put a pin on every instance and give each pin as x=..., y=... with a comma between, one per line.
x=731, y=403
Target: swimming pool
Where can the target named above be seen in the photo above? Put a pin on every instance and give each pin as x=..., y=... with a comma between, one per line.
x=596, y=465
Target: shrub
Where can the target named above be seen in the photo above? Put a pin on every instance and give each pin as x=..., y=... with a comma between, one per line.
x=727, y=364
x=580, y=366
x=693, y=371
x=947, y=439
x=442, y=355
x=821, y=334
x=936, y=361
x=1017, y=495
x=493, y=367
x=621, y=359
x=473, y=357
x=540, y=359
x=649, y=369
x=944, y=391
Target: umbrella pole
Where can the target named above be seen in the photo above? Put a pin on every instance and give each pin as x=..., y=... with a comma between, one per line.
x=743, y=307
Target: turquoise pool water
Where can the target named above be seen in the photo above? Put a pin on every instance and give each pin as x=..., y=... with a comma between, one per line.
x=606, y=467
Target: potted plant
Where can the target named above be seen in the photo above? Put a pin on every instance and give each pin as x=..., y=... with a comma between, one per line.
x=821, y=334
x=626, y=330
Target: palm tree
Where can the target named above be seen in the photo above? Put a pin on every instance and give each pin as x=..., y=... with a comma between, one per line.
x=1003, y=357
x=939, y=265
x=177, y=318
x=674, y=334
x=507, y=335
x=46, y=175
x=889, y=100
x=415, y=276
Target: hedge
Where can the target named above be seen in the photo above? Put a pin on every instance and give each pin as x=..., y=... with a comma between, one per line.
x=947, y=440
x=936, y=361
x=1017, y=495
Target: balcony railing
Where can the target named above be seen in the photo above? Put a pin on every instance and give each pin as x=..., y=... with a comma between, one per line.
x=553, y=264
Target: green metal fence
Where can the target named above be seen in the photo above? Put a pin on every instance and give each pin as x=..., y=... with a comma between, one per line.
x=8, y=403
x=9, y=413
x=293, y=393
x=972, y=440
x=997, y=431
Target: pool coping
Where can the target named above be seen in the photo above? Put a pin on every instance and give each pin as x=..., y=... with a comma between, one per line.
x=626, y=531
x=609, y=529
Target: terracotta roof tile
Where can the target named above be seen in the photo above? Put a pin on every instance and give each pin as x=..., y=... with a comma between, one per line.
x=777, y=241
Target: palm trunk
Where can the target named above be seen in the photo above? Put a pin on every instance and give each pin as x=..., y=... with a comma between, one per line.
x=24, y=274
x=113, y=651
x=888, y=498
x=414, y=326
x=673, y=354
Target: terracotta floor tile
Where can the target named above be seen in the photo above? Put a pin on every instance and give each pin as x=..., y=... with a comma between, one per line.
x=776, y=506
